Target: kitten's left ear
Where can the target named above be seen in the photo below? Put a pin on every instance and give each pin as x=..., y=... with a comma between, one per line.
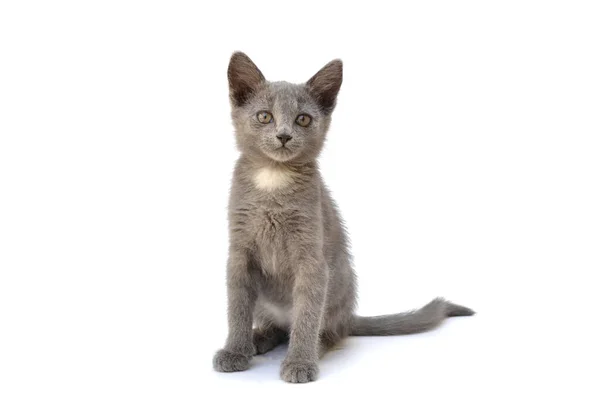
x=325, y=85
x=244, y=78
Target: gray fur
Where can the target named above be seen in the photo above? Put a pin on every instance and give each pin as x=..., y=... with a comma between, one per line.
x=289, y=270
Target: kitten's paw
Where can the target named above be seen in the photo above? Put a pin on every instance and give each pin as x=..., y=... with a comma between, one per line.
x=299, y=371
x=264, y=343
x=226, y=361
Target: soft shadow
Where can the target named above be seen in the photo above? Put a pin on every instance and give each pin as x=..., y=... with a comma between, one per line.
x=265, y=367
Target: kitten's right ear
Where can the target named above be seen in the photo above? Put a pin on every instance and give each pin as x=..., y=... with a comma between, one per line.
x=244, y=78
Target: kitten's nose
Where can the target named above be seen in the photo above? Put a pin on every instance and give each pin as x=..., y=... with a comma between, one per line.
x=284, y=137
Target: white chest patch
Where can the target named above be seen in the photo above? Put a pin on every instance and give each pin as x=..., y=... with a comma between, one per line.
x=272, y=178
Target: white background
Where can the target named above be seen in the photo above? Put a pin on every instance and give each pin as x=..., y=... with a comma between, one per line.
x=464, y=155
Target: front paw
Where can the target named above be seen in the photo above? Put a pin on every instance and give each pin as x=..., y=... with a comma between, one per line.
x=226, y=361
x=299, y=371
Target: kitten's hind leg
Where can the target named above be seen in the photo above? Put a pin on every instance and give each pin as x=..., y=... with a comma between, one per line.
x=328, y=341
x=267, y=338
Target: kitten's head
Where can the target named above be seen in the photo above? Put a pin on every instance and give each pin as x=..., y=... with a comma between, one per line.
x=281, y=121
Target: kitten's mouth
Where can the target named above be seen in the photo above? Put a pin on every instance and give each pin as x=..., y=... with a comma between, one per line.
x=281, y=153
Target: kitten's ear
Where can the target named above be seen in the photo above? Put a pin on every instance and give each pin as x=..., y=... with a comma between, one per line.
x=244, y=78
x=325, y=85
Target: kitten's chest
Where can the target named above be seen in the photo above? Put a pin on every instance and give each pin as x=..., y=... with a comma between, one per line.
x=274, y=233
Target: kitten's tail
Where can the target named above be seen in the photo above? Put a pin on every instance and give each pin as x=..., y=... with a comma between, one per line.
x=423, y=319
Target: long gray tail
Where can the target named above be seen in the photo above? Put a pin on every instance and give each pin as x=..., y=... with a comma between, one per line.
x=421, y=320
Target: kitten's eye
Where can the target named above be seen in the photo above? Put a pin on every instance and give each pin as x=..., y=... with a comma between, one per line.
x=303, y=120
x=264, y=117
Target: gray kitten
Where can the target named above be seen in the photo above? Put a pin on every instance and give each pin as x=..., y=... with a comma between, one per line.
x=289, y=270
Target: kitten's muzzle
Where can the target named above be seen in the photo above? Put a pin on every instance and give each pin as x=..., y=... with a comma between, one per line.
x=284, y=138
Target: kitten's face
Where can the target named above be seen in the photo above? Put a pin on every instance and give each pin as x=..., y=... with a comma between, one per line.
x=281, y=121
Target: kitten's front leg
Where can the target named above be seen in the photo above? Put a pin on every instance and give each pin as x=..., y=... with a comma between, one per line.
x=241, y=297
x=300, y=364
